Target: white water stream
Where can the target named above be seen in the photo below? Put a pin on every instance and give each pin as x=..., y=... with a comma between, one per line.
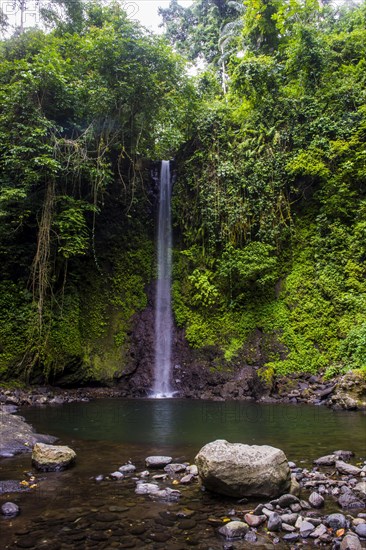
x=163, y=305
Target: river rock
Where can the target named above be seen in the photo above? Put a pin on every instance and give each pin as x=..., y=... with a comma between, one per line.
x=289, y=518
x=295, y=486
x=327, y=460
x=10, y=509
x=316, y=500
x=175, y=468
x=361, y=530
x=234, y=530
x=291, y=537
x=157, y=461
x=117, y=475
x=319, y=531
x=239, y=470
x=127, y=469
x=336, y=521
x=274, y=522
x=16, y=436
x=360, y=489
x=351, y=542
x=253, y=520
x=306, y=528
x=349, y=500
x=185, y=480
x=347, y=469
x=344, y=455
x=51, y=458
x=146, y=488
x=287, y=500
x=192, y=469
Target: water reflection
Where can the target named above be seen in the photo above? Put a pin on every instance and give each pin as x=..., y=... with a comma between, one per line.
x=301, y=431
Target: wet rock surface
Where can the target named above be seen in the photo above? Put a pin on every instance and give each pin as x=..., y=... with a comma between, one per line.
x=194, y=377
x=239, y=470
x=150, y=509
x=16, y=436
x=52, y=458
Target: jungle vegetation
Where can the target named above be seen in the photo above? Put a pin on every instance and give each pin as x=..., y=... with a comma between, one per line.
x=269, y=200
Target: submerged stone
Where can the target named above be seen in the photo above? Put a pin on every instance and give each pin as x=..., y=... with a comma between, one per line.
x=157, y=461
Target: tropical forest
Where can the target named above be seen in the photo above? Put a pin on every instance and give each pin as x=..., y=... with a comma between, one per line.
x=183, y=250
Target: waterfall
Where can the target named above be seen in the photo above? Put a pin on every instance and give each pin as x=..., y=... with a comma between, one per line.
x=163, y=306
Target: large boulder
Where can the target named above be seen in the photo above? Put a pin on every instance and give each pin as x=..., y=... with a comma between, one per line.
x=52, y=458
x=239, y=470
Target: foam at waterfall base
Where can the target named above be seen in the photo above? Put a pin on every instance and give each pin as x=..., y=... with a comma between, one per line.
x=163, y=395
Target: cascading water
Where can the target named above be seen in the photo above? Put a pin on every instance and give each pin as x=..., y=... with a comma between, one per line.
x=163, y=306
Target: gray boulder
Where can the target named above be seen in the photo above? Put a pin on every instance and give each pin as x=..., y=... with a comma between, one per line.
x=52, y=458
x=239, y=470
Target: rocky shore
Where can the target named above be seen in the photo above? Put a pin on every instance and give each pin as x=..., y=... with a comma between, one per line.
x=162, y=504
x=347, y=392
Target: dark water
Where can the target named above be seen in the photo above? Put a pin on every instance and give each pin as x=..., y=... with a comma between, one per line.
x=66, y=508
x=303, y=432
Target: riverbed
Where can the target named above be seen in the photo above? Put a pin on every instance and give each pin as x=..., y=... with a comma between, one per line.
x=107, y=433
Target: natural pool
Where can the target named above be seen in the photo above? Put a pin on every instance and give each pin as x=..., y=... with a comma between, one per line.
x=70, y=510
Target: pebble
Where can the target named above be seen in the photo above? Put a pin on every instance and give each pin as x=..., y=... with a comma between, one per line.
x=116, y=475
x=350, y=542
x=187, y=524
x=360, y=489
x=127, y=469
x=274, y=522
x=327, y=460
x=234, y=530
x=187, y=479
x=254, y=520
x=306, y=528
x=344, y=455
x=291, y=537
x=296, y=507
x=319, y=531
x=175, y=468
x=347, y=469
x=316, y=500
x=10, y=509
x=250, y=537
x=358, y=521
x=361, y=530
x=336, y=521
x=289, y=518
x=287, y=500
x=146, y=488
x=288, y=528
x=158, y=461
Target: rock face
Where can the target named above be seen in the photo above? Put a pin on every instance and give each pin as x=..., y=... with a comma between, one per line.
x=51, y=458
x=239, y=470
x=16, y=436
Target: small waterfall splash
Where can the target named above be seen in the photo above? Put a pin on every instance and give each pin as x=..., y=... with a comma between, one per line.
x=163, y=306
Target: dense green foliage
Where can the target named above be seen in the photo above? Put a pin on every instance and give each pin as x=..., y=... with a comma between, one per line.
x=80, y=109
x=270, y=200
